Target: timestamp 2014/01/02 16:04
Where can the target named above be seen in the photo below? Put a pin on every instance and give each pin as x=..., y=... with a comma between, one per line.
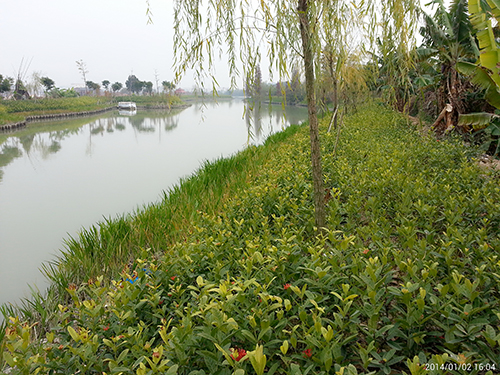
x=469, y=367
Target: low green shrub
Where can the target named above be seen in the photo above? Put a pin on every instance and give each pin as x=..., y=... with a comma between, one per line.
x=82, y=103
x=406, y=280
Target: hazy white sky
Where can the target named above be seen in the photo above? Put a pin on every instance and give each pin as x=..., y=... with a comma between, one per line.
x=111, y=36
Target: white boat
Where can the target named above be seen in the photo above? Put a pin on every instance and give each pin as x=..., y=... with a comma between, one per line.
x=126, y=112
x=127, y=105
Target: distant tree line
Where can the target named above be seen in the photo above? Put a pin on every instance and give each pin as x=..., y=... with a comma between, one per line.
x=46, y=86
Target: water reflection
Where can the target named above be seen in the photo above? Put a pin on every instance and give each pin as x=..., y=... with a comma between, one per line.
x=48, y=139
x=43, y=141
x=258, y=115
x=57, y=177
x=8, y=153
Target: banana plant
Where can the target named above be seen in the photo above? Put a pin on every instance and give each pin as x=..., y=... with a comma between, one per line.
x=486, y=71
x=447, y=39
x=489, y=123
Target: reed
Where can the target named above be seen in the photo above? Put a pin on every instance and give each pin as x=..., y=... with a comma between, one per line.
x=110, y=246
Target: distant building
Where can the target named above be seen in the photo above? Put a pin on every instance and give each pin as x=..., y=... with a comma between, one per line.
x=81, y=90
x=180, y=92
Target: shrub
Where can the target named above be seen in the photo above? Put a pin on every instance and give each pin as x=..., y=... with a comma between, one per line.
x=405, y=281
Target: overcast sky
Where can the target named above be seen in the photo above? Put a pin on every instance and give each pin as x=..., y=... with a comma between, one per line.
x=111, y=36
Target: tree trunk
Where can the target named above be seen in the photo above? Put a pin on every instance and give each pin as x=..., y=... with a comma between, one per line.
x=335, y=100
x=317, y=172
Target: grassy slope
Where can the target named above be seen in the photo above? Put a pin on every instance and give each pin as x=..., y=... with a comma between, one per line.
x=408, y=274
x=18, y=110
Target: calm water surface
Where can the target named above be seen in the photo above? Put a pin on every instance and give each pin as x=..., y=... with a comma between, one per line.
x=58, y=177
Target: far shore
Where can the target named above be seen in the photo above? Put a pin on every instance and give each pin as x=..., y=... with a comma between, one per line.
x=42, y=115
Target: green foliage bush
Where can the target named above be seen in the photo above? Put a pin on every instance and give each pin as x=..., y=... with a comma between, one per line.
x=69, y=104
x=405, y=281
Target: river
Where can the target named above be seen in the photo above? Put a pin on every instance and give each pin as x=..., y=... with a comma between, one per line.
x=58, y=177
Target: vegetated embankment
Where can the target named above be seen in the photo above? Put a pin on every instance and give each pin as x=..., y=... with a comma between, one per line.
x=233, y=280
x=16, y=114
x=56, y=116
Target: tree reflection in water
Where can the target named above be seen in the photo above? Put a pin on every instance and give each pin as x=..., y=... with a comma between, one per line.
x=45, y=140
x=77, y=171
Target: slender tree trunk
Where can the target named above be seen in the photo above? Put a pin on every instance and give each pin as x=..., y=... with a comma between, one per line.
x=317, y=172
x=335, y=100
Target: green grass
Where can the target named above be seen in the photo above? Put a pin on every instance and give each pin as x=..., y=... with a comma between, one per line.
x=17, y=110
x=8, y=118
x=229, y=262
x=106, y=247
x=59, y=105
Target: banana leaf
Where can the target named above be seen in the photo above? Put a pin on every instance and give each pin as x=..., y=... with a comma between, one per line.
x=482, y=77
x=492, y=96
x=495, y=8
x=478, y=74
x=478, y=121
x=490, y=54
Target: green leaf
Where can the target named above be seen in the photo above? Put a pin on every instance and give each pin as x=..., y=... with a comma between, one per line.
x=73, y=334
x=295, y=369
x=495, y=130
x=172, y=370
x=117, y=370
x=8, y=358
x=199, y=281
x=249, y=335
x=493, y=97
x=284, y=347
x=226, y=354
x=478, y=120
x=122, y=355
x=273, y=369
x=258, y=359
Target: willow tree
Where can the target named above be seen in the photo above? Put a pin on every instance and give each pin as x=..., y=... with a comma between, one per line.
x=392, y=33
x=342, y=51
x=287, y=31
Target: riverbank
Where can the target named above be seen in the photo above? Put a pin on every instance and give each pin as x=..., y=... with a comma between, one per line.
x=225, y=274
x=42, y=117
x=15, y=115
